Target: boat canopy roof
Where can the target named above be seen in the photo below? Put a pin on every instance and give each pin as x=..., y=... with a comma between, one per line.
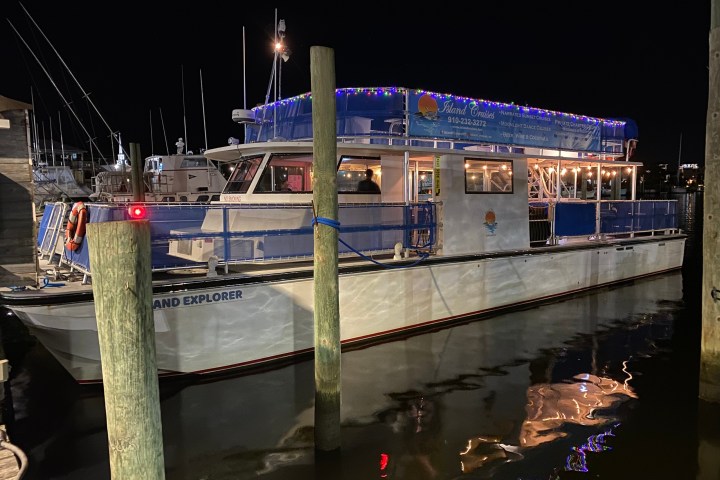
x=412, y=117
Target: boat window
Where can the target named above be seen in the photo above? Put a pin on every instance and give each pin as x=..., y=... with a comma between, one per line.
x=183, y=198
x=193, y=162
x=215, y=198
x=203, y=198
x=488, y=176
x=154, y=165
x=424, y=181
x=351, y=171
x=287, y=173
x=242, y=175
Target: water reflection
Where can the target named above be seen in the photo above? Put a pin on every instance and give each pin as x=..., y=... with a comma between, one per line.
x=689, y=218
x=418, y=422
x=583, y=401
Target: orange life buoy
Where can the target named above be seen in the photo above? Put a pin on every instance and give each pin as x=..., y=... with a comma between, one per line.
x=75, y=231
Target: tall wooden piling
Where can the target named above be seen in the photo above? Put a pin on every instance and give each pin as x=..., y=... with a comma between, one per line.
x=122, y=288
x=326, y=301
x=136, y=165
x=710, y=343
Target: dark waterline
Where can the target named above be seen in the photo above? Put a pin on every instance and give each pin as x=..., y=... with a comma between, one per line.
x=600, y=385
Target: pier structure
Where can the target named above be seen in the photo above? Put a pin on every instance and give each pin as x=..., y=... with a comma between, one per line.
x=17, y=235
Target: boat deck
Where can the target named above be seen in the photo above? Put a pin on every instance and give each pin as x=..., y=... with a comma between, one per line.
x=74, y=282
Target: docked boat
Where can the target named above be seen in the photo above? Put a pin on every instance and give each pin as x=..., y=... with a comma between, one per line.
x=55, y=182
x=180, y=177
x=480, y=206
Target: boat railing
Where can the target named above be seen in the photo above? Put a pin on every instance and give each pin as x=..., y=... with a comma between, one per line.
x=555, y=222
x=51, y=227
x=191, y=235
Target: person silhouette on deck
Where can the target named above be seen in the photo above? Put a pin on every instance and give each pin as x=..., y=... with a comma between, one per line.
x=368, y=185
x=284, y=187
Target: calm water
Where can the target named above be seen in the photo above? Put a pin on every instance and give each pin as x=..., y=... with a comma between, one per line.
x=601, y=385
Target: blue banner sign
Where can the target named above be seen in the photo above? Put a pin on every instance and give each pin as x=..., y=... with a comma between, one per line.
x=434, y=115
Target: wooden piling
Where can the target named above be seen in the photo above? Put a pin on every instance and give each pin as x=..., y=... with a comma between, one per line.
x=136, y=166
x=326, y=302
x=122, y=289
x=710, y=342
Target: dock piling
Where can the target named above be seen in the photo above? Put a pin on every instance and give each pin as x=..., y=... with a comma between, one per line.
x=326, y=290
x=122, y=288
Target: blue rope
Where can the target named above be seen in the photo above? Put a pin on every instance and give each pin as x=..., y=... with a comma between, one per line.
x=336, y=225
x=326, y=221
x=47, y=283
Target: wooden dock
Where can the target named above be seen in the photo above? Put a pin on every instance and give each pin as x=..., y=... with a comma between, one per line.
x=9, y=467
x=18, y=259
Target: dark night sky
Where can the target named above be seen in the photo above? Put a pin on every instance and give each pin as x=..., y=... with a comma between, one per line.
x=614, y=59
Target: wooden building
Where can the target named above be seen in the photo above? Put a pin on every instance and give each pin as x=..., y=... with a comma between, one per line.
x=17, y=213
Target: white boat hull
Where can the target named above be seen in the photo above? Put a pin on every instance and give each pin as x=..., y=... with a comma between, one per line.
x=212, y=329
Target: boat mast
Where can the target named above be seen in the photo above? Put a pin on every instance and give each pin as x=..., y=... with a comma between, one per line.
x=677, y=182
x=36, y=141
x=162, y=121
x=244, y=88
x=152, y=144
x=273, y=77
x=85, y=94
x=44, y=143
x=182, y=79
x=202, y=98
x=52, y=143
x=62, y=142
x=67, y=104
x=244, y=78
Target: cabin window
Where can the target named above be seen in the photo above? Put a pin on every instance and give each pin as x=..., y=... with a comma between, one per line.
x=424, y=185
x=242, y=175
x=488, y=176
x=202, y=198
x=287, y=173
x=194, y=162
x=351, y=171
x=154, y=164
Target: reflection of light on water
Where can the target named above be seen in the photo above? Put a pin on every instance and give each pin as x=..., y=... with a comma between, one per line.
x=549, y=407
x=484, y=450
x=689, y=214
x=629, y=377
x=577, y=461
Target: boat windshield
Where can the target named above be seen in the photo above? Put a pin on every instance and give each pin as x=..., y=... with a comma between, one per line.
x=243, y=174
x=294, y=173
x=287, y=173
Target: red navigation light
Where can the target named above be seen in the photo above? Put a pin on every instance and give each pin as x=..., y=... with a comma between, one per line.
x=136, y=212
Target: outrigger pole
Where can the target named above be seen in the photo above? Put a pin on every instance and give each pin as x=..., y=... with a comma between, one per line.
x=67, y=104
x=85, y=94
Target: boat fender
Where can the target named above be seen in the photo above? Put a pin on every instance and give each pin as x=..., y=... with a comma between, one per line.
x=75, y=231
x=212, y=266
x=398, y=251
